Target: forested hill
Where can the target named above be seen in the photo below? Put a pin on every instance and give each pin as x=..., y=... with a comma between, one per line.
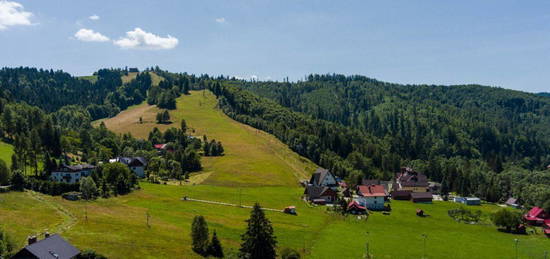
x=544, y=94
x=427, y=121
x=475, y=140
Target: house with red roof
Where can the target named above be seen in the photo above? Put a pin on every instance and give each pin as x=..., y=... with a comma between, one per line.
x=355, y=208
x=546, y=227
x=371, y=196
x=536, y=216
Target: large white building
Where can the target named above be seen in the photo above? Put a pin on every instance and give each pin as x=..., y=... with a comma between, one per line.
x=71, y=173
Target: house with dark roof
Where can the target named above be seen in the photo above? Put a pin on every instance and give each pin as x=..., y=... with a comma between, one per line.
x=407, y=182
x=51, y=247
x=71, y=173
x=421, y=197
x=136, y=164
x=323, y=177
x=320, y=194
x=371, y=196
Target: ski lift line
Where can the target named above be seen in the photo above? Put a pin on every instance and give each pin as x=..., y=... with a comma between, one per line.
x=228, y=204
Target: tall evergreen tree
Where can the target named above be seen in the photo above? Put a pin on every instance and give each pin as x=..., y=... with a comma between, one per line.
x=215, y=247
x=259, y=242
x=199, y=235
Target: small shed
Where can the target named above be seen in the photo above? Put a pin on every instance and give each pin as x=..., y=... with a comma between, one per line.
x=472, y=201
x=422, y=197
x=512, y=202
x=401, y=195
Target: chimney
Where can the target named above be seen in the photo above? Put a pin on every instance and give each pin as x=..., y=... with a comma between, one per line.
x=47, y=234
x=31, y=240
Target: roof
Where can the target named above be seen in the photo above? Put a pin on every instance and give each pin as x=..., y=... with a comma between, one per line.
x=512, y=201
x=159, y=146
x=319, y=176
x=472, y=199
x=354, y=204
x=535, y=212
x=131, y=161
x=54, y=247
x=410, y=178
x=316, y=191
x=371, y=190
x=421, y=195
x=76, y=168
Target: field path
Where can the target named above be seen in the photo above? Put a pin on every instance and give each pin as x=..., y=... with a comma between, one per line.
x=69, y=219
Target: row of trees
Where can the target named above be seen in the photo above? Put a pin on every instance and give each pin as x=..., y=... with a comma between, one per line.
x=258, y=242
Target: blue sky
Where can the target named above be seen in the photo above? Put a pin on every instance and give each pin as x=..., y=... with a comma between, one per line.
x=498, y=43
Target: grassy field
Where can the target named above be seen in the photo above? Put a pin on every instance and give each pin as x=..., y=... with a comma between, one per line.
x=6, y=150
x=257, y=168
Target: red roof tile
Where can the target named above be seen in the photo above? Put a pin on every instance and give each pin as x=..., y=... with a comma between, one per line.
x=372, y=190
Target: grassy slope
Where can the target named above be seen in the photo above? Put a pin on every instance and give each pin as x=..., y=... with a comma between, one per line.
x=252, y=156
x=117, y=227
x=6, y=150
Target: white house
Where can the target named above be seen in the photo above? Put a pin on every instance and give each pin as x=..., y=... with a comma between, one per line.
x=71, y=173
x=136, y=164
x=371, y=196
x=323, y=177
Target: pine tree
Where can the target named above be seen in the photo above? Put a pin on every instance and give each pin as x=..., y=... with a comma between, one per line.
x=183, y=125
x=166, y=116
x=215, y=247
x=199, y=235
x=258, y=240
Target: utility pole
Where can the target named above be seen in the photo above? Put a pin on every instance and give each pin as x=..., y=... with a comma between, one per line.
x=368, y=251
x=240, y=199
x=516, y=241
x=424, y=253
x=148, y=216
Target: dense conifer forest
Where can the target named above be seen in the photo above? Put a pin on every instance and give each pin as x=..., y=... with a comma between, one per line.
x=476, y=140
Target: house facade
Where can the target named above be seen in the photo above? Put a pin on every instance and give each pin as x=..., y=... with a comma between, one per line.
x=71, y=173
x=320, y=194
x=323, y=177
x=136, y=164
x=409, y=184
x=371, y=196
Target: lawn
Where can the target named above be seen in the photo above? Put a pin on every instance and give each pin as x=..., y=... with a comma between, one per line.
x=6, y=151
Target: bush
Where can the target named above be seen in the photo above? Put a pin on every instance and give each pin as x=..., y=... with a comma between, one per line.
x=463, y=214
x=507, y=219
x=90, y=254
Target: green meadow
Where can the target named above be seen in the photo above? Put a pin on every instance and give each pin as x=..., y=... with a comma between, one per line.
x=153, y=222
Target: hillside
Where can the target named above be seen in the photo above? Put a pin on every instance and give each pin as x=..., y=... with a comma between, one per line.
x=252, y=157
x=108, y=225
x=544, y=94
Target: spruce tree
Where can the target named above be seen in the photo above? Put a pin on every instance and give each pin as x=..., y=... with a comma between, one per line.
x=199, y=235
x=258, y=240
x=215, y=247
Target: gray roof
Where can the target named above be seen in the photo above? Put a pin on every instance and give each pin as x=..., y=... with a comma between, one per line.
x=76, y=168
x=319, y=176
x=54, y=247
x=133, y=161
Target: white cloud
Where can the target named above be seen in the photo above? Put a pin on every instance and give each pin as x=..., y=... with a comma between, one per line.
x=140, y=39
x=12, y=14
x=94, y=17
x=90, y=35
x=220, y=20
